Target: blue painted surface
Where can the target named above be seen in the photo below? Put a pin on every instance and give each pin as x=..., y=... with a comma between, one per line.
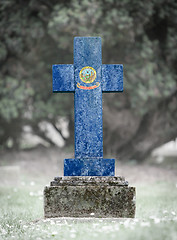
x=88, y=103
x=63, y=78
x=88, y=78
x=112, y=77
x=89, y=167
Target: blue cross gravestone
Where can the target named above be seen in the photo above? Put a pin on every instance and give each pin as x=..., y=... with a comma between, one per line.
x=88, y=78
x=88, y=187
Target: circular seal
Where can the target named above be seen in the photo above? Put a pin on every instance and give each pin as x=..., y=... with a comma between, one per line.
x=87, y=74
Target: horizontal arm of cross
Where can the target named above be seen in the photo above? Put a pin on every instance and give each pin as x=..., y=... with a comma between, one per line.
x=112, y=78
x=63, y=78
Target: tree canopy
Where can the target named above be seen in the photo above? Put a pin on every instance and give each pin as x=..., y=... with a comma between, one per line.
x=141, y=35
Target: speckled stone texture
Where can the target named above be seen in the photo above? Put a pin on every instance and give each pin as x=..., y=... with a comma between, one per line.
x=89, y=197
x=89, y=167
x=102, y=194
x=88, y=105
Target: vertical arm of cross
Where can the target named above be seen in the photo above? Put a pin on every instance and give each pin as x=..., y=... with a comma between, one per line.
x=63, y=78
x=112, y=78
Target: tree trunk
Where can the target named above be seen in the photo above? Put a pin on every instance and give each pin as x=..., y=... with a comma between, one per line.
x=156, y=127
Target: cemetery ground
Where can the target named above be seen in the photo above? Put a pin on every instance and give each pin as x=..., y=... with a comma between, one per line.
x=24, y=174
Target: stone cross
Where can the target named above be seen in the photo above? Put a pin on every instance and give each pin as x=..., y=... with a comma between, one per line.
x=87, y=78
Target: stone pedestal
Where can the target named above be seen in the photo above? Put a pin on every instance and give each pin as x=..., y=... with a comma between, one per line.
x=89, y=197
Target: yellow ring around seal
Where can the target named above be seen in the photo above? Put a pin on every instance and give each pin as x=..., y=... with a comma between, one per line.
x=91, y=78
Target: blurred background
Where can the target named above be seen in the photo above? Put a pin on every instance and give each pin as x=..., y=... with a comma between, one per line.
x=37, y=126
x=141, y=35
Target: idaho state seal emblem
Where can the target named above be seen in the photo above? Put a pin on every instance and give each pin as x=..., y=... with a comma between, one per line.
x=87, y=74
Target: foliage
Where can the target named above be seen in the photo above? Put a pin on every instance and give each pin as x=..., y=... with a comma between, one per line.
x=36, y=34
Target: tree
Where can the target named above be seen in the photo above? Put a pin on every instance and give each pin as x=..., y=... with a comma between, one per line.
x=141, y=35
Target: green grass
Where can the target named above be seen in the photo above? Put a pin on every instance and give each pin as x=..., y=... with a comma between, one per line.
x=21, y=216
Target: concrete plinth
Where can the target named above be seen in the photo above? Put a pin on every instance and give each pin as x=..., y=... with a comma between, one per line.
x=89, y=197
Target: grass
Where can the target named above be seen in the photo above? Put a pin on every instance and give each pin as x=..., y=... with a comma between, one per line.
x=21, y=216
x=21, y=202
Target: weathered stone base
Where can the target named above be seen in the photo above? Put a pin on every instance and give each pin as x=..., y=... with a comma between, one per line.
x=89, y=197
